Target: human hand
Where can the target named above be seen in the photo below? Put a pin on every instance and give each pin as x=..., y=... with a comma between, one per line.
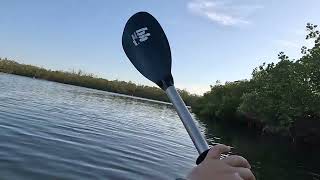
x=230, y=168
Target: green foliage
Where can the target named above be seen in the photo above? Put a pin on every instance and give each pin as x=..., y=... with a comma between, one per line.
x=222, y=101
x=276, y=96
x=79, y=78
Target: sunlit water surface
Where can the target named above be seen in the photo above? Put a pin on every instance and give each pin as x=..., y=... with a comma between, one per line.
x=55, y=131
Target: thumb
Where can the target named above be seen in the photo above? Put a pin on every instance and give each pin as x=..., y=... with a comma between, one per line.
x=216, y=151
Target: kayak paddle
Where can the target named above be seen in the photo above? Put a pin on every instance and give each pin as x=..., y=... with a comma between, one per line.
x=147, y=47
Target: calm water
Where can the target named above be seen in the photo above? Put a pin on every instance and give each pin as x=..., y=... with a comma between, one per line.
x=55, y=131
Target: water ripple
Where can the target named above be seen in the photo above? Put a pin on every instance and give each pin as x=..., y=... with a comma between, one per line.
x=55, y=131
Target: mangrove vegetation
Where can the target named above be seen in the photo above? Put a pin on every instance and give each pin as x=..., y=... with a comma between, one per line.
x=280, y=98
x=79, y=78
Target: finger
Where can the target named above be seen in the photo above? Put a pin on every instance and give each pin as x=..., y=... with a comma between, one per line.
x=245, y=173
x=237, y=161
x=235, y=176
x=216, y=151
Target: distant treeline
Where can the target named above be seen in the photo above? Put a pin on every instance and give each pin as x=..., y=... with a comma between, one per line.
x=276, y=97
x=80, y=78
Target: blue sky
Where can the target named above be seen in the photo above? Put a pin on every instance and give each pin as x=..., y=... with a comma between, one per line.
x=210, y=39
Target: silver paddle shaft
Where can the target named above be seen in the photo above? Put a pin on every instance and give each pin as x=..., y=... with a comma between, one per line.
x=187, y=120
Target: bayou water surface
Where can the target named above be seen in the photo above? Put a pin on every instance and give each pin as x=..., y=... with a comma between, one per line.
x=55, y=131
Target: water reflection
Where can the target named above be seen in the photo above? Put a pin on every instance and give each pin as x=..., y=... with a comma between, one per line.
x=271, y=157
x=55, y=131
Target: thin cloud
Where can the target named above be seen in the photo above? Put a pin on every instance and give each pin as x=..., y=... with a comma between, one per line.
x=300, y=32
x=198, y=89
x=221, y=12
x=295, y=44
x=288, y=44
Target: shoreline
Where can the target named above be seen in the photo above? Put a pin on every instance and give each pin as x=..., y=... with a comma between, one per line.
x=86, y=80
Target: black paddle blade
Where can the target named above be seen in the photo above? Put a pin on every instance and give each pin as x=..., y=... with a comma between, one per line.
x=147, y=47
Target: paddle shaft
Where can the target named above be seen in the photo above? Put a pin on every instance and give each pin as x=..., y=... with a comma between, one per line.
x=187, y=120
